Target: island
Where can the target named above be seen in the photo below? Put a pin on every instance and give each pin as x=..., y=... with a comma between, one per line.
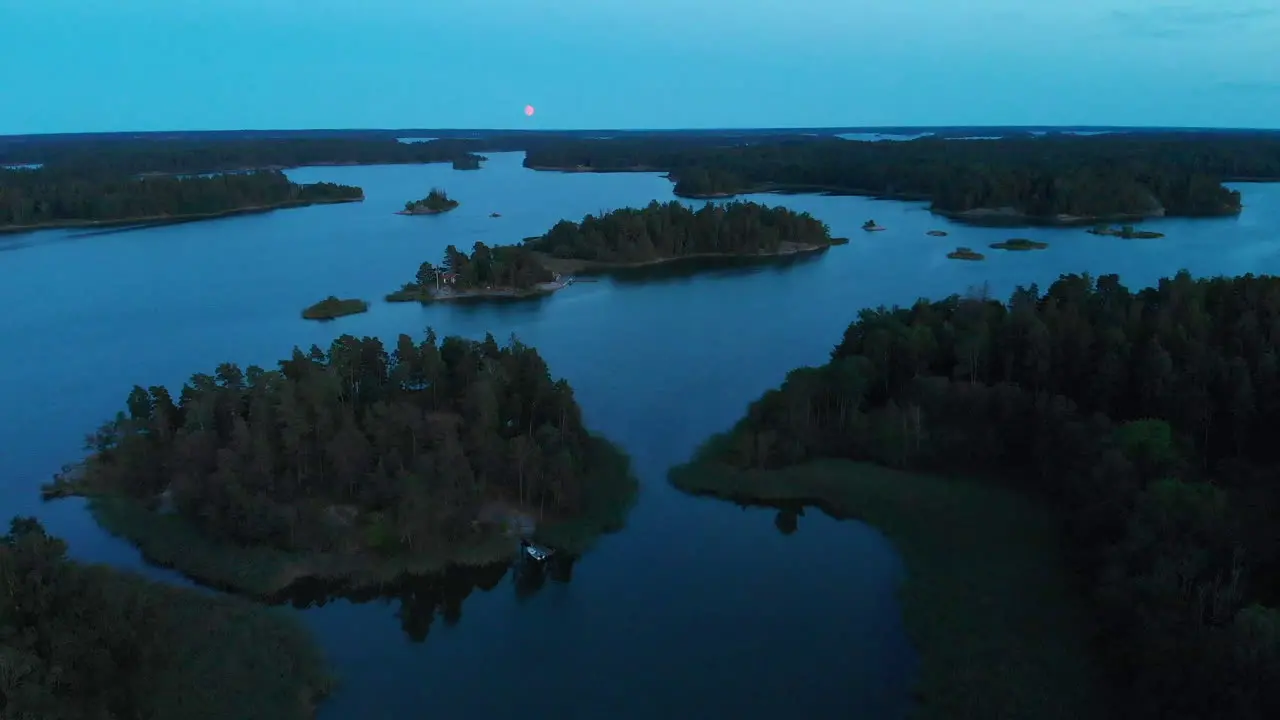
x=89, y=641
x=937, y=233
x=1128, y=232
x=871, y=226
x=502, y=272
x=437, y=201
x=666, y=232
x=467, y=162
x=1055, y=179
x=354, y=465
x=1019, y=244
x=332, y=307
x=48, y=198
x=964, y=253
x=1065, y=510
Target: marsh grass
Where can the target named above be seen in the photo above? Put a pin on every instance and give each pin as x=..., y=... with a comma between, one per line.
x=988, y=603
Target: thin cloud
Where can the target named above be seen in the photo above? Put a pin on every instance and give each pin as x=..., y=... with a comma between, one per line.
x=1164, y=21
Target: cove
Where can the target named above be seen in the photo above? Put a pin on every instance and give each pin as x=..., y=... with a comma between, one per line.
x=698, y=607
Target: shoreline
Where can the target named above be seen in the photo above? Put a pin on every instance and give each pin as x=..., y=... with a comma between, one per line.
x=158, y=220
x=999, y=628
x=593, y=267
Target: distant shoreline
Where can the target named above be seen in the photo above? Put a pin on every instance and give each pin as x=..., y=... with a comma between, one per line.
x=152, y=220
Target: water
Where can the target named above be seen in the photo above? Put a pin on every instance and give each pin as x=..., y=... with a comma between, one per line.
x=699, y=608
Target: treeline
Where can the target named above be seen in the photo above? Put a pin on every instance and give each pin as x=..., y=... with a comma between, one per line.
x=192, y=156
x=85, y=641
x=670, y=230
x=354, y=449
x=43, y=197
x=1039, y=177
x=1146, y=417
x=508, y=267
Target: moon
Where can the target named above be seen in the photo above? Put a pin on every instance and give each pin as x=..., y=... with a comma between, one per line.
x=528, y=111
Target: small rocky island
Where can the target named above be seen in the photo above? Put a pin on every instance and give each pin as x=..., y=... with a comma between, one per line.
x=333, y=307
x=871, y=226
x=356, y=465
x=964, y=253
x=937, y=233
x=437, y=201
x=1019, y=244
x=1128, y=232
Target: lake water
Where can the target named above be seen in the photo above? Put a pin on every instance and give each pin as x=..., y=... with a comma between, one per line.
x=699, y=608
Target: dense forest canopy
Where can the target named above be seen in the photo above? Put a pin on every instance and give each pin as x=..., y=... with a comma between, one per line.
x=672, y=229
x=191, y=156
x=1145, y=416
x=354, y=449
x=436, y=201
x=84, y=641
x=47, y=197
x=1042, y=177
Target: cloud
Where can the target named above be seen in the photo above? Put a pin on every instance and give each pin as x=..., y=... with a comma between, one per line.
x=1165, y=21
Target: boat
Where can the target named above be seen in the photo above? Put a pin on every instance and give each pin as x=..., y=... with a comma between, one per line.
x=534, y=552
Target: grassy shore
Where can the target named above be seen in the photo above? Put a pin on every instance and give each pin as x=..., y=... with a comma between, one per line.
x=987, y=601
x=169, y=540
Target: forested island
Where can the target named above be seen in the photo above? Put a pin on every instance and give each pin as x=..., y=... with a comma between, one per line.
x=333, y=307
x=1093, y=438
x=505, y=271
x=662, y=232
x=1055, y=179
x=45, y=198
x=89, y=641
x=437, y=201
x=124, y=156
x=354, y=464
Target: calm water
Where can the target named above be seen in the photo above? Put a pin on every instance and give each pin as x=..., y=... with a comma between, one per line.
x=699, y=608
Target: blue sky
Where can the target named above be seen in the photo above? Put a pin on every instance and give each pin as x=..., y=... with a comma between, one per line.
x=109, y=65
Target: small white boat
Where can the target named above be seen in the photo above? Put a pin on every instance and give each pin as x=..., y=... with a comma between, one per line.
x=535, y=553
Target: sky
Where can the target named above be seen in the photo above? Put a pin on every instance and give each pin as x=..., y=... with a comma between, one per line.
x=138, y=65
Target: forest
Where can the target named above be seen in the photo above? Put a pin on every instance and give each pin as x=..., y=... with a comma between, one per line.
x=504, y=267
x=93, y=642
x=356, y=451
x=49, y=198
x=671, y=230
x=436, y=202
x=1039, y=178
x=126, y=157
x=1144, y=417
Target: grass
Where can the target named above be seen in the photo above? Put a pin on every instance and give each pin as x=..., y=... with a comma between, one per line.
x=333, y=307
x=988, y=603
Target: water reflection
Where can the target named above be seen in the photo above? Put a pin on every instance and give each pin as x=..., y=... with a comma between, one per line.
x=423, y=598
x=788, y=521
x=689, y=267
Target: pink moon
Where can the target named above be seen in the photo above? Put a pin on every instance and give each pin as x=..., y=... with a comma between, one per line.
x=528, y=110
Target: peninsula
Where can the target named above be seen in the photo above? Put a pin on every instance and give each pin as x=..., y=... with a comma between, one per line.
x=354, y=464
x=42, y=199
x=467, y=162
x=502, y=272
x=437, y=201
x=1013, y=474
x=1021, y=180
x=89, y=641
x=667, y=232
